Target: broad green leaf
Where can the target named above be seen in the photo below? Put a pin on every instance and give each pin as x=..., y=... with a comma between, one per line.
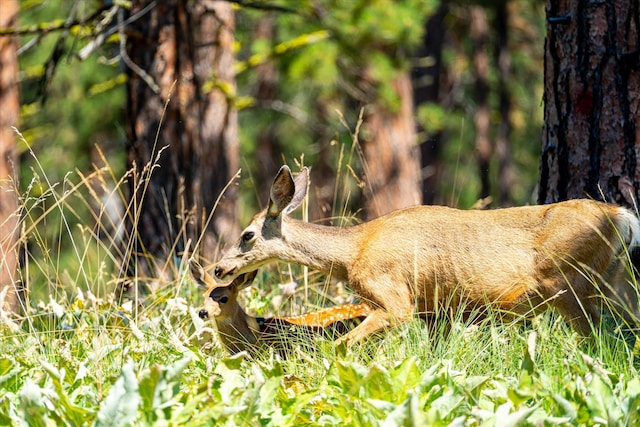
x=70, y=411
x=446, y=404
x=268, y=396
x=566, y=406
x=404, y=378
x=600, y=399
x=8, y=411
x=147, y=388
x=515, y=419
x=631, y=403
x=120, y=407
x=633, y=387
x=159, y=386
x=378, y=384
x=473, y=386
x=348, y=376
x=8, y=369
x=233, y=381
x=33, y=404
x=406, y=414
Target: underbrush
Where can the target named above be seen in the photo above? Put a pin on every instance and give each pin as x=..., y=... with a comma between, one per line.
x=90, y=362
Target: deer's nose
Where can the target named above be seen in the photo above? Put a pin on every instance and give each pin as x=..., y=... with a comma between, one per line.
x=203, y=314
x=217, y=272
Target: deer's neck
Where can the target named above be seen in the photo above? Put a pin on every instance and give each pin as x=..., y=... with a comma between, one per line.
x=324, y=248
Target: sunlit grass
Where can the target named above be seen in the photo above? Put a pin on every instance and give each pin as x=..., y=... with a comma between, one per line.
x=80, y=355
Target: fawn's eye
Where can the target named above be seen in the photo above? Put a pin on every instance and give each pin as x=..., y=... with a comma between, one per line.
x=247, y=236
x=219, y=296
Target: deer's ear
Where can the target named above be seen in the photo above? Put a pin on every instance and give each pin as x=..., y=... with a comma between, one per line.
x=301, y=183
x=282, y=191
x=199, y=275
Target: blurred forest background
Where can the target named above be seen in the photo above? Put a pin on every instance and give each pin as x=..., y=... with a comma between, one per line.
x=390, y=103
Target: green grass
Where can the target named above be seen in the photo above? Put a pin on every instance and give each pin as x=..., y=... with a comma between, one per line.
x=89, y=362
x=80, y=357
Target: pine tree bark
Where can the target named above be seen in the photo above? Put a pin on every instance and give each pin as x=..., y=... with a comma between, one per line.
x=10, y=107
x=502, y=59
x=268, y=150
x=391, y=153
x=479, y=36
x=592, y=101
x=426, y=84
x=185, y=48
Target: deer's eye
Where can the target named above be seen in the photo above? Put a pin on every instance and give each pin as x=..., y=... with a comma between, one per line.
x=247, y=236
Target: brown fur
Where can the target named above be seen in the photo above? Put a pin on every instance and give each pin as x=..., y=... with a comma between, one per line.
x=238, y=331
x=520, y=260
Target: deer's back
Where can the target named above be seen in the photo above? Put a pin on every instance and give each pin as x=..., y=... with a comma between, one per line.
x=497, y=254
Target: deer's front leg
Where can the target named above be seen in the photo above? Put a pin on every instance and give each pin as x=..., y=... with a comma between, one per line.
x=375, y=321
x=378, y=319
x=392, y=301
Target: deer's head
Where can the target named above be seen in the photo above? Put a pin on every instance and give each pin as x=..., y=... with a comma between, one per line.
x=262, y=241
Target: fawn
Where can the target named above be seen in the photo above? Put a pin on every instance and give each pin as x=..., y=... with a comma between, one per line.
x=238, y=331
x=572, y=256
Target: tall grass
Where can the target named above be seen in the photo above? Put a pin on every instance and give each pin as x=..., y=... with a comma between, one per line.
x=80, y=356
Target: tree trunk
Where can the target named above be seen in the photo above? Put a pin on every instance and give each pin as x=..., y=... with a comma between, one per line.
x=479, y=36
x=502, y=58
x=426, y=83
x=268, y=150
x=10, y=107
x=592, y=101
x=391, y=155
x=185, y=47
x=325, y=203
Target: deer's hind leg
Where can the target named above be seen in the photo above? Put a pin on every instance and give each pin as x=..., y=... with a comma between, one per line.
x=576, y=302
x=622, y=295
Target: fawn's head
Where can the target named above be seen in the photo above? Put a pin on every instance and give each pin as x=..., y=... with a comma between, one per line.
x=261, y=241
x=218, y=297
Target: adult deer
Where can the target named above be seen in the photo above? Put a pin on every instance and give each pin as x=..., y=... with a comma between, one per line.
x=238, y=331
x=570, y=255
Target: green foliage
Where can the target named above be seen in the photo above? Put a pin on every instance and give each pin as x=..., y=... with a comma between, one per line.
x=68, y=108
x=68, y=105
x=124, y=375
x=120, y=406
x=368, y=43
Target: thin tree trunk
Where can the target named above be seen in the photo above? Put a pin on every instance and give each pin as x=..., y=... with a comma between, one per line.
x=592, y=101
x=187, y=127
x=267, y=147
x=217, y=152
x=322, y=204
x=479, y=36
x=10, y=107
x=392, y=158
x=503, y=62
x=426, y=83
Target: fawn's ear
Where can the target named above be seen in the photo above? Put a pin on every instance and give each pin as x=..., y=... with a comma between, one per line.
x=287, y=194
